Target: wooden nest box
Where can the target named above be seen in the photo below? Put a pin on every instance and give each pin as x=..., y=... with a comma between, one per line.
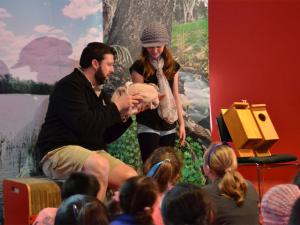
x=251, y=129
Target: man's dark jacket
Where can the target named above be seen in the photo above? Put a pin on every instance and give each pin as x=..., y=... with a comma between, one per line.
x=77, y=116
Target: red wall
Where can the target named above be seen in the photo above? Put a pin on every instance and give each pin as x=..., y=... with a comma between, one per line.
x=254, y=54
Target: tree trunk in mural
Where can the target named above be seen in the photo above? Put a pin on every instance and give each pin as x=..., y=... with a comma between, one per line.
x=189, y=10
x=109, y=8
x=188, y=7
x=132, y=16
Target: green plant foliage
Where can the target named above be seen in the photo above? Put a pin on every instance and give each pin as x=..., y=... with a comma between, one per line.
x=9, y=84
x=192, y=155
x=126, y=148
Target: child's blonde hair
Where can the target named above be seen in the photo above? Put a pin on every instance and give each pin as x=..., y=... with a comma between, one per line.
x=221, y=159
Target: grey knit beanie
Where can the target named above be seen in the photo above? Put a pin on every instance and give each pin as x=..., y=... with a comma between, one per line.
x=277, y=203
x=155, y=35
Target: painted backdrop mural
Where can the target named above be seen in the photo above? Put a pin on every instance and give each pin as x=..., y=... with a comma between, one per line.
x=41, y=41
x=186, y=21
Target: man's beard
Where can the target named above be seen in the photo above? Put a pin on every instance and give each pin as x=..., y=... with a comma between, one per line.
x=99, y=76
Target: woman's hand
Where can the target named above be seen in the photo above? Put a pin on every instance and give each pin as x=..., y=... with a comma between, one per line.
x=182, y=134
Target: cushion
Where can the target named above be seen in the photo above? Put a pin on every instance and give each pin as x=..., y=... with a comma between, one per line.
x=276, y=158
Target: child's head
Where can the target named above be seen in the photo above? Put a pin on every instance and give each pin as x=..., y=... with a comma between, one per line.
x=154, y=39
x=277, y=203
x=80, y=183
x=220, y=162
x=220, y=158
x=155, y=34
x=137, y=198
x=164, y=166
x=186, y=204
x=81, y=210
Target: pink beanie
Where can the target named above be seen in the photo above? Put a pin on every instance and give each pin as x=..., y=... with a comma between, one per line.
x=277, y=203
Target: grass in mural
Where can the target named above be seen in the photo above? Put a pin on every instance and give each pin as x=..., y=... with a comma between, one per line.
x=126, y=148
x=190, y=45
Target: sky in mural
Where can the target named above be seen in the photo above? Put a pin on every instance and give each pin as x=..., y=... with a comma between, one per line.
x=45, y=37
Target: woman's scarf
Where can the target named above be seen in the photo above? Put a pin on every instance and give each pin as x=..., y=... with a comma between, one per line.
x=167, y=106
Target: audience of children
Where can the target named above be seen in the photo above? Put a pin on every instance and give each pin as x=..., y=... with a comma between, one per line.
x=137, y=197
x=152, y=198
x=186, y=204
x=234, y=198
x=76, y=183
x=82, y=210
x=164, y=166
x=277, y=203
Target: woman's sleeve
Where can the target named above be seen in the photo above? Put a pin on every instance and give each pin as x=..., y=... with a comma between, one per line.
x=138, y=67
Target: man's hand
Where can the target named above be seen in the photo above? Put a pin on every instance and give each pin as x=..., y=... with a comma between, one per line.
x=125, y=101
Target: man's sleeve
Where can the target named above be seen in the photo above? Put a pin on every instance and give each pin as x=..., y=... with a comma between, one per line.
x=114, y=132
x=83, y=119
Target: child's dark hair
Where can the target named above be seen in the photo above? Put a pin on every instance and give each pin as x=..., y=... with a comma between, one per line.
x=94, y=50
x=295, y=215
x=296, y=179
x=164, y=166
x=80, y=183
x=186, y=204
x=137, y=197
x=82, y=210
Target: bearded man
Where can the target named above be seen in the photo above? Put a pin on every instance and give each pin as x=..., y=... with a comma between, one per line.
x=81, y=120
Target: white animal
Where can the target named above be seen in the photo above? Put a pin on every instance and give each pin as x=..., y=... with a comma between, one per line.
x=149, y=92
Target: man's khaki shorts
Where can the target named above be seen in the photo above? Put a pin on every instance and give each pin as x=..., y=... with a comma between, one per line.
x=61, y=162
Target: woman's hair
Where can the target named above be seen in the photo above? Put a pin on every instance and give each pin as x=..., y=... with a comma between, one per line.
x=137, y=197
x=164, y=166
x=221, y=159
x=82, y=210
x=169, y=65
x=186, y=204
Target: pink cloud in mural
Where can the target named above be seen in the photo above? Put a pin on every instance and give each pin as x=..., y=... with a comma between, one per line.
x=48, y=57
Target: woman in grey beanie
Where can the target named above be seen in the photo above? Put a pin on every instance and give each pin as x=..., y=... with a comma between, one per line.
x=157, y=127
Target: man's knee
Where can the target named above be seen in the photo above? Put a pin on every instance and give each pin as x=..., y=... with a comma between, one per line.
x=119, y=174
x=131, y=172
x=97, y=165
x=126, y=172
